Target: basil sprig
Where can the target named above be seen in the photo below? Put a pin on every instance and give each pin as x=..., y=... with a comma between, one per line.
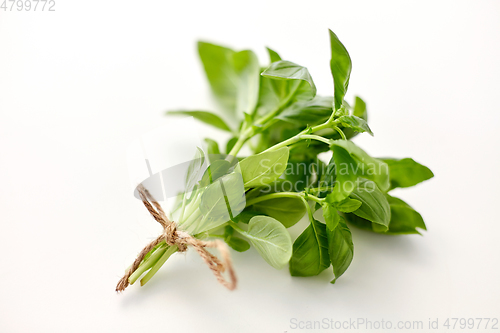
x=251, y=201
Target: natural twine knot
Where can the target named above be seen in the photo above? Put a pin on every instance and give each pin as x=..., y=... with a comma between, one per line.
x=173, y=237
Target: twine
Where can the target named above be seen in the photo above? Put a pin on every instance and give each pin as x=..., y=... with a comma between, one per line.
x=182, y=240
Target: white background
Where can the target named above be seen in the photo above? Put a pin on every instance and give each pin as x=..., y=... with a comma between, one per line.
x=79, y=84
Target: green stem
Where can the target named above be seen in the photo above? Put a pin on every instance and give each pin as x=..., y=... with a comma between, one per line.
x=237, y=146
x=209, y=233
x=234, y=225
x=315, y=137
x=249, y=131
x=153, y=258
x=280, y=107
x=187, y=223
x=216, y=236
x=171, y=250
x=319, y=189
x=309, y=211
x=283, y=195
x=297, y=138
x=191, y=208
x=340, y=132
x=181, y=216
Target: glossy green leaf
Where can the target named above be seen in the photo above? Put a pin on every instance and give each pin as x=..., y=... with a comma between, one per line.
x=311, y=112
x=215, y=170
x=348, y=205
x=220, y=201
x=286, y=210
x=277, y=92
x=301, y=172
x=359, y=222
x=264, y=168
x=212, y=150
x=340, y=248
x=355, y=123
x=217, y=62
x=194, y=170
x=328, y=178
x=246, y=215
x=360, y=109
x=273, y=55
x=234, y=242
x=367, y=166
x=270, y=239
x=230, y=144
x=404, y=219
x=340, y=66
x=331, y=216
x=310, y=251
x=204, y=116
x=287, y=70
x=247, y=69
x=233, y=76
x=374, y=205
x=346, y=170
x=238, y=244
x=406, y=172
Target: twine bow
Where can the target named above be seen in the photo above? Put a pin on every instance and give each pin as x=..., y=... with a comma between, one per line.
x=182, y=240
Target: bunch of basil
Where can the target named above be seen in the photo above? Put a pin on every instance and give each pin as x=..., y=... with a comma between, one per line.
x=286, y=125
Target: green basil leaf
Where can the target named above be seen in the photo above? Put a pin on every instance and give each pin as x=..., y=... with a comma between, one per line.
x=406, y=172
x=213, y=150
x=355, y=123
x=328, y=178
x=246, y=215
x=331, y=216
x=278, y=92
x=221, y=200
x=204, y=116
x=310, y=251
x=270, y=239
x=348, y=205
x=346, y=170
x=287, y=70
x=311, y=112
x=233, y=76
x=238, y=244
x=301, y=172
x=404, y=219
x=217, y=61
x=359, y=222
x=264, y=168
x=217, y=169
x=374, y=207
x=368, y=167
x=230, y=144
x=273, y=55
x=286, y=210
x=234, y=242
x=360, y=109
x=340, y=248
x=247, y=69
x=194, y=170
x=341, y=66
